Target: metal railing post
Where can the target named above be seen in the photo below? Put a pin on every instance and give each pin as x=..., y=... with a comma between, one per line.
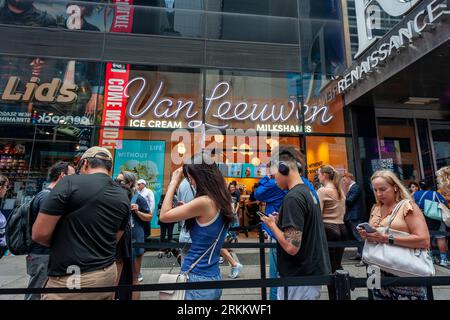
x=262, y=262
x=342, y=285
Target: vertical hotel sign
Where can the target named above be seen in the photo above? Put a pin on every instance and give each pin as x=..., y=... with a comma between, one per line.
x=116, y=80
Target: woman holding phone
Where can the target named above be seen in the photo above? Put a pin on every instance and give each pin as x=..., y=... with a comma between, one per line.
x=389, y=192
x=207, y=217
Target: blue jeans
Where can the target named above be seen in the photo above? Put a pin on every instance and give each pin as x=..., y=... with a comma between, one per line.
x=205, y=294
x=37, y=270
x=273, y=273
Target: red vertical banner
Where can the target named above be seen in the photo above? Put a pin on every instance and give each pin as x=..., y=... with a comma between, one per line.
x=116, y=80
x=123, y=16
x=114, y=110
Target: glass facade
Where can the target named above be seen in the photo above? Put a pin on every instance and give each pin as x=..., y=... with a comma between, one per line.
x=54, y=107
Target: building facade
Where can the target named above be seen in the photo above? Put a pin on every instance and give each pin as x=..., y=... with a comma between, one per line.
x=129, y=75
x=397, y=90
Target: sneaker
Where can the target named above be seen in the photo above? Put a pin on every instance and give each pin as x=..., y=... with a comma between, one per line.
x=140, y=277
x=234, y=273
x=445, y=263
x=160, y=255
x=221, y=260
x=169, y=254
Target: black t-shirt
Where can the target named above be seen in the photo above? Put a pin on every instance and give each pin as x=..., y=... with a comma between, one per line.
x=301, y=211
x=38, y=200
x=85, y=236
x=143, y=207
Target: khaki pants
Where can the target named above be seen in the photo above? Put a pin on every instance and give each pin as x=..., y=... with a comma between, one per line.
x=105, y=277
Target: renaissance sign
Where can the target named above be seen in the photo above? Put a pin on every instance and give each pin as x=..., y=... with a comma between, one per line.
x=407, y=33
x=221, y=111
x=368, y=18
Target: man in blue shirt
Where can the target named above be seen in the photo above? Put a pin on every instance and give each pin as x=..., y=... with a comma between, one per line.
x=425, y=193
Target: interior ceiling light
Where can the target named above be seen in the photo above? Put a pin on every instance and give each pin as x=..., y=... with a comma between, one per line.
x=420, y=100
x=256, y=162
x=181, y=148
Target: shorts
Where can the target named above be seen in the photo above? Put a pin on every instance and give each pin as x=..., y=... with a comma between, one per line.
x=138, y=236
x=300, y=293
x=442, y=228
x=205, y=294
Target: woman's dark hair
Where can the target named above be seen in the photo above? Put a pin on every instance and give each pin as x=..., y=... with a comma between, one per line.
x=424, y=185
x=210, y=183
x=3, y=180
x=413, y=183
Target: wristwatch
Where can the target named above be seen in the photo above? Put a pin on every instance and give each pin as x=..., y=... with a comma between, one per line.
x=391, y=239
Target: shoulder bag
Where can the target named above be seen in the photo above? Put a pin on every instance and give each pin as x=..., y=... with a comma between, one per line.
x=400, y=261
x=431, y=208
x=183, y=277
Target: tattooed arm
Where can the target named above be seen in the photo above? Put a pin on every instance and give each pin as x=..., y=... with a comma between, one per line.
x=290, y=239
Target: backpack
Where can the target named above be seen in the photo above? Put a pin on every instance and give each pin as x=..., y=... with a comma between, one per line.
x=18, y=229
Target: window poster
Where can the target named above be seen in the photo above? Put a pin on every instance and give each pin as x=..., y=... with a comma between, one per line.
x=146, y=160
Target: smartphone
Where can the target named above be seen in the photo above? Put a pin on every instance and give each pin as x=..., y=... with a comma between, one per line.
x=261, y=214
x=367, y=227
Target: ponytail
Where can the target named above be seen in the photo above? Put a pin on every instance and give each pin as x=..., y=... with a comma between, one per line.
x=336, y=179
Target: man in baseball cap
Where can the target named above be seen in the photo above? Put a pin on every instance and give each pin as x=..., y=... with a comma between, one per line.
x=142, y=181
x=95, y=157
x=92, y=212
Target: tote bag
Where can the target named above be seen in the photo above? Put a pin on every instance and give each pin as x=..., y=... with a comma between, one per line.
x=400, y=261
x=431, y=207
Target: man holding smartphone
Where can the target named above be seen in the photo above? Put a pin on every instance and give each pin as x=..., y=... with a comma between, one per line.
x=302, y=248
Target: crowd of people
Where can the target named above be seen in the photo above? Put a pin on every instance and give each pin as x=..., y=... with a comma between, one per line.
x=86, y=222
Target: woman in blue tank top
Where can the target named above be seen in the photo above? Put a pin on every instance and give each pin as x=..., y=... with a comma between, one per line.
x=207, y=217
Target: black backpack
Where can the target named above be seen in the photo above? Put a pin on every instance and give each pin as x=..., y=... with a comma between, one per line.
x=18, y=229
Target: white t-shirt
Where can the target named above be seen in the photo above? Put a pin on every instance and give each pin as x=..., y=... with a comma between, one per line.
x=149, y=196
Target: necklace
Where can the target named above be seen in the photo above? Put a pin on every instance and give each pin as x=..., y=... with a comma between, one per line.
x=380, y=217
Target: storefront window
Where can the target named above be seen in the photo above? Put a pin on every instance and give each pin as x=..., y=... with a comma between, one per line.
x=326, y=150
x=440, y=132
x=324, y=107
x=49, y=91
x=398, y=148
x=27, y=152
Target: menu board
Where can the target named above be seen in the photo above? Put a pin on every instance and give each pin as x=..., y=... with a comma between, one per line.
x=234, y=170
x=251, y=171
x=242, y=170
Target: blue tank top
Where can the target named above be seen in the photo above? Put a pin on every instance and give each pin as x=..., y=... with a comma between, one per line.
x=203, y=236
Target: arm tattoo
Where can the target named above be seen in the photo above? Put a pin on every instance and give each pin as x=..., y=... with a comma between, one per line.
x=294, y=236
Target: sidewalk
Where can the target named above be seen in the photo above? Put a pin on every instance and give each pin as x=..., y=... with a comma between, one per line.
x=13, y=274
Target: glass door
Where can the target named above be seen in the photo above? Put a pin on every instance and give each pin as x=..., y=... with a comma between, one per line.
x=440, y=133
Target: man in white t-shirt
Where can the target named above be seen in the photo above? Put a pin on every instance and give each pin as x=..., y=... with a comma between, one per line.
x=148, y=194
x=149, y=197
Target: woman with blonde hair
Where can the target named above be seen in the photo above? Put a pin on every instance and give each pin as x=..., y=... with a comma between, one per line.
x=332, y=204
x=389, y=191
x=443, y=180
